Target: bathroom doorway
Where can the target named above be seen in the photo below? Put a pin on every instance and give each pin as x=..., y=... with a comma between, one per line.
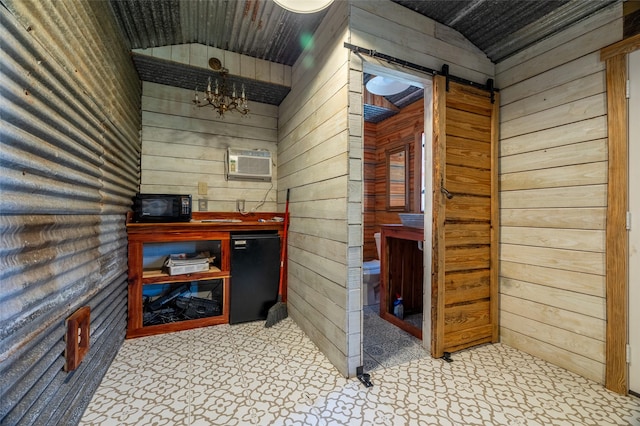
x=384, y=343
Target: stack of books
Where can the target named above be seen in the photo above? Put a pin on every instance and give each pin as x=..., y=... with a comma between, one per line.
x=187, y=263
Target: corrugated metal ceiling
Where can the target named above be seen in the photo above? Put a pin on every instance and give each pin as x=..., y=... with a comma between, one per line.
x=262, y=29
x=501, y=28
x=257, y=28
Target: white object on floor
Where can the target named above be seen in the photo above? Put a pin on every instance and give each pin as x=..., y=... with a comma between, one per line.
x=371, y=277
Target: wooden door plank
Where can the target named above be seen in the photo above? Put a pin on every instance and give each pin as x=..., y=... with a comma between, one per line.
x=439, y=165
x=470, y=153
x=467, y=207
x=467, y=285
x=465, y=234
x=465, y=316
x=468, y=180
x=468, y=125
x=462, y=339
x=467, y=258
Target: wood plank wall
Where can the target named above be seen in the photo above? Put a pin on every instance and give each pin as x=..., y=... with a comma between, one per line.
x=404, y=128
x=553, y=179
x=183, y=145
x=313, y=162
x=394, y=30
x=370, y=160
x=397, y=31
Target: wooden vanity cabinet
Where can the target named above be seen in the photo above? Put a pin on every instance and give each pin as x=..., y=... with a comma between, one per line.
x=401, y=272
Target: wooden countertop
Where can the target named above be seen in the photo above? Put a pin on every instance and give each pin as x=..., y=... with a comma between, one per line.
x=397, y=230
x=213, y=221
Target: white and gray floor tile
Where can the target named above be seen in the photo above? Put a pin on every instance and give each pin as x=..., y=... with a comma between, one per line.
x=247, y=374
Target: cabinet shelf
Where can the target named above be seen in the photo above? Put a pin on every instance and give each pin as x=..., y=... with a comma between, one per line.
x=185, y=301
x=156, y=276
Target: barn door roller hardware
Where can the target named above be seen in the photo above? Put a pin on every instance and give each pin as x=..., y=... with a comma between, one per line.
x=365, y=378
x=492, y=90
x=444, y=71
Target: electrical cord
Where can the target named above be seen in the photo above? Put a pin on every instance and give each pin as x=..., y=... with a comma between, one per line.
x=260, y=204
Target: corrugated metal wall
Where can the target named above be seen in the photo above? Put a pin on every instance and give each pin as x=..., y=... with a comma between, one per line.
x=69, y=164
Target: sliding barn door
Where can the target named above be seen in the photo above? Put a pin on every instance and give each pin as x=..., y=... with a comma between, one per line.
x=465, y=218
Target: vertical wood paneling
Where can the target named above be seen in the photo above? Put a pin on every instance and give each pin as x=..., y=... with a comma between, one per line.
x=617, y=235
x=70, y=103
x=553, y=167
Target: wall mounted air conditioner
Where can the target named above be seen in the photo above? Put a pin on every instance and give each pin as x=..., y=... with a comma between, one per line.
x=251, y=164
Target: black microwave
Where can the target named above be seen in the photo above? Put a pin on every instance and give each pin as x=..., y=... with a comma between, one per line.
x=161, y=208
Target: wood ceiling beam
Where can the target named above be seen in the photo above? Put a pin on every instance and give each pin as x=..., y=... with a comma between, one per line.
x=379, y=101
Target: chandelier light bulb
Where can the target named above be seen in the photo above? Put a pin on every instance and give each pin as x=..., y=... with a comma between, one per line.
x=220, y=100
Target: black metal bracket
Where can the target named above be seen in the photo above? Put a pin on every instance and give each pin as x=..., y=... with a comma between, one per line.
x=492, y=90
x=447, y=357
x=445, y=73
x=365, y=378
x=390, y=59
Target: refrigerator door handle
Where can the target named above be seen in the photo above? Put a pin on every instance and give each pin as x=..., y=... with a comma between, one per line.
x=240, y=244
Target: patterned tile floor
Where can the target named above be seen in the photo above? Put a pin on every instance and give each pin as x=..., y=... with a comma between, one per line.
x=250, y=375
x=385, y=345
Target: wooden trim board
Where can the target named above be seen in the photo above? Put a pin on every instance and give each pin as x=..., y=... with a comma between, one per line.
x=616, y=373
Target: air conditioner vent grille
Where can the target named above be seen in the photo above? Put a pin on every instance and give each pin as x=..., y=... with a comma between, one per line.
x=253, y=165
x=249, y=164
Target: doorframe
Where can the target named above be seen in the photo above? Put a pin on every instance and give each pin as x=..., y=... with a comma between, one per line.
x=617, y=254
x=425, y=81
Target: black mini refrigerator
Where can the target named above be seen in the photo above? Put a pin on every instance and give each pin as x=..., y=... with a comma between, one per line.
x=255, y=274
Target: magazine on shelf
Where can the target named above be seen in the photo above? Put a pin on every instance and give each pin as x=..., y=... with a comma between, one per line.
x=186, y=263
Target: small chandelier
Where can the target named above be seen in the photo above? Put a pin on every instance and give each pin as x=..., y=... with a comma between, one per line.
x=218, y=96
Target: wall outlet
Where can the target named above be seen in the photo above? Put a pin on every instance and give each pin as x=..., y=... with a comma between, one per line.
x=240, y=205
x=203, y=188
x=203, y=204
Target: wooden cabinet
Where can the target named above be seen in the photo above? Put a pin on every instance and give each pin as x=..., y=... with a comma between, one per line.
x=161, y=303
x=401, y=273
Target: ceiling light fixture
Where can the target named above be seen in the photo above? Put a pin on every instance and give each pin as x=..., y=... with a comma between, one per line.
x=384, y=86
x=303, y=6
x=218, y=97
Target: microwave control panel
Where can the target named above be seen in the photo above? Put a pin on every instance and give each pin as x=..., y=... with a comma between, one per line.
x=186, y=205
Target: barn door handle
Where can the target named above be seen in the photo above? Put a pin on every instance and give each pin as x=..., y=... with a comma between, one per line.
x=445, y=192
